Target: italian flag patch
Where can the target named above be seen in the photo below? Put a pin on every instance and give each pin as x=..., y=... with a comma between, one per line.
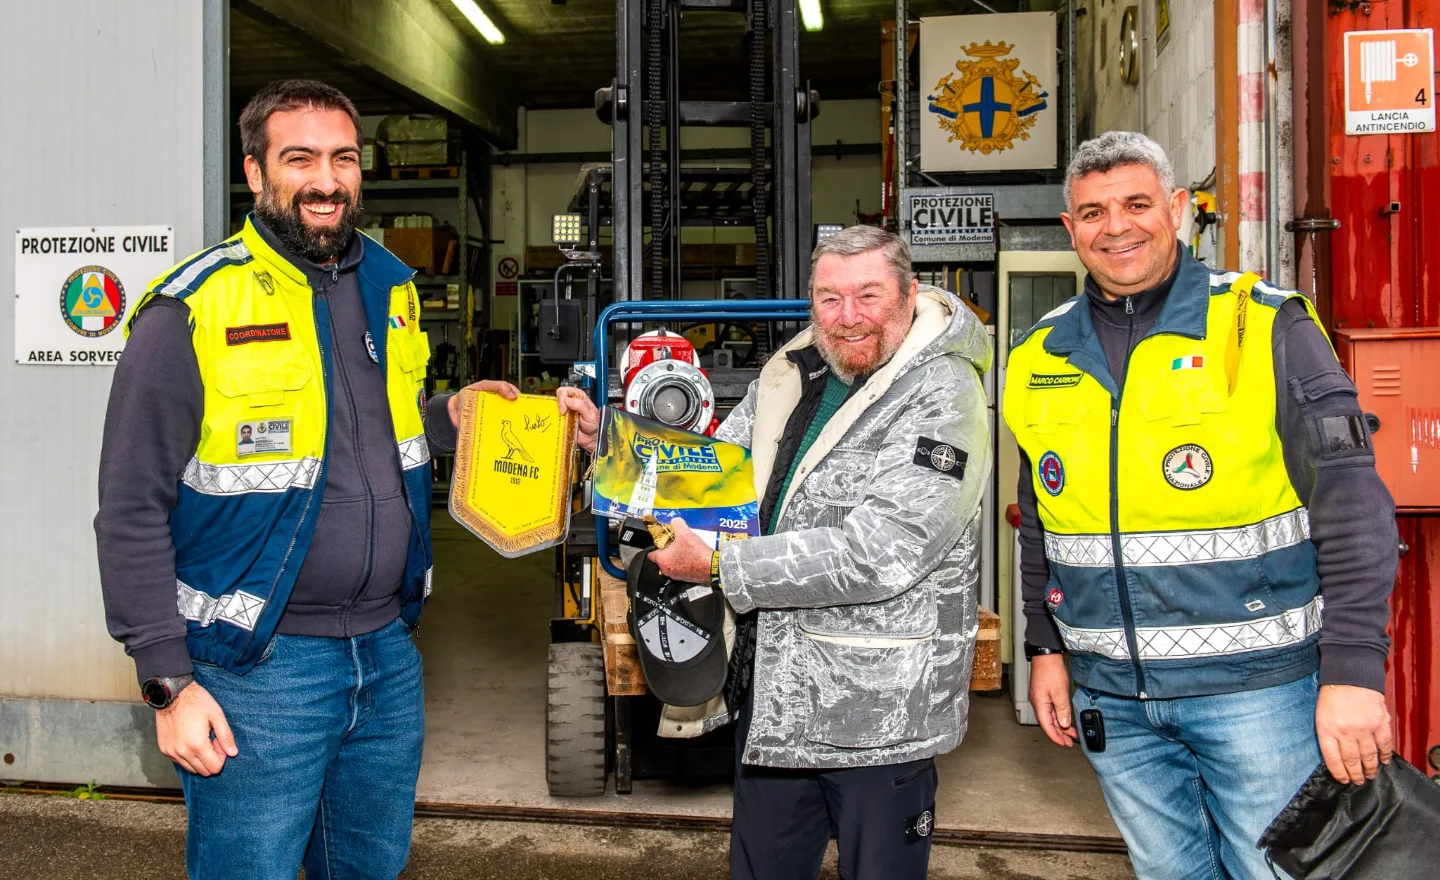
x=1193, y=362
x=396, y=322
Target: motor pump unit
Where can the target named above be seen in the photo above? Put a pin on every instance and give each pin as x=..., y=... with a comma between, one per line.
x=663, y=381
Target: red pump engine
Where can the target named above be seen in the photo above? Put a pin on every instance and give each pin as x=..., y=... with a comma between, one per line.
x=660, y=372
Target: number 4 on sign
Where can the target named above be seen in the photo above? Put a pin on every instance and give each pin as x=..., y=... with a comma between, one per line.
x=1420, y=98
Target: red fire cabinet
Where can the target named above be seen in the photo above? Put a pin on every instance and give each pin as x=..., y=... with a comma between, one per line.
x=1394, y=370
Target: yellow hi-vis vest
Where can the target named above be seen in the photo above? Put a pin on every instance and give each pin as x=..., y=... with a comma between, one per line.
x=1179, y=552
x=249, y=498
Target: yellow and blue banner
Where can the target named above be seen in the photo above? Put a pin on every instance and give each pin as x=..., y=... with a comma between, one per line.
x=646, y=468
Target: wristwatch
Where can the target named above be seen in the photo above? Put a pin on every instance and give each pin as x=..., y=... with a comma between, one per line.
x=1033, y=651
x=159, y=693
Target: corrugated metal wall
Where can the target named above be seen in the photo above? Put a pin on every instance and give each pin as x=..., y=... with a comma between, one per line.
x=1382, y=275
x=101, y=123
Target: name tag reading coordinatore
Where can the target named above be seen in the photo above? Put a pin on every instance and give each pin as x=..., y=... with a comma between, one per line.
x=513, y=469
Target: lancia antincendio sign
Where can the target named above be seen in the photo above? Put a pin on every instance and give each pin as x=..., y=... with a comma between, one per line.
x=941, y=217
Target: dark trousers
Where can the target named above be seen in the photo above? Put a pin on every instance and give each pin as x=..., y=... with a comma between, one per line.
x=881, y=818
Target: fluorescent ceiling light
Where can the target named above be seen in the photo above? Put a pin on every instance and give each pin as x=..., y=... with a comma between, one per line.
x=487, y=28
x=810, y=15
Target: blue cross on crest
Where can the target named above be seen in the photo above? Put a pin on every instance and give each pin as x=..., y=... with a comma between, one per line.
x=987, y=107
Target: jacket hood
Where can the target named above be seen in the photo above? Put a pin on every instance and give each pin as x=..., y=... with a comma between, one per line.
x=959, y=331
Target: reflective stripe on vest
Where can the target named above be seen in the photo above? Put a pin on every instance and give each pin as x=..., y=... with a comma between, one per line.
x=1174, y=642
x=1193, y=547
x=414, y=452
x=239, y=479
x=238, y=609
x=277, y=476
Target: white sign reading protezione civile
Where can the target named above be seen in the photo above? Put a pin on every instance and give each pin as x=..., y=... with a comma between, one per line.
x=75, y=287
x=942, y=217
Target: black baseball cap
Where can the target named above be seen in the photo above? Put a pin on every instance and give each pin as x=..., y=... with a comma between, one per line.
x=679, y=632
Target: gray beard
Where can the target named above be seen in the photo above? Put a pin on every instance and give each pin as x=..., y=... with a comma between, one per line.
x=832, y=358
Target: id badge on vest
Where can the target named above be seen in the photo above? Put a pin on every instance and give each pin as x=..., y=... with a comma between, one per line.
x=262, y=436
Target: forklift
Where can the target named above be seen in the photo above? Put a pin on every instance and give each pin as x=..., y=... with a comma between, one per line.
x=681, y=361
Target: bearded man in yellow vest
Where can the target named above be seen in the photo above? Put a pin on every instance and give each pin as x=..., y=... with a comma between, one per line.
x=264, y=523
x=1203, y=532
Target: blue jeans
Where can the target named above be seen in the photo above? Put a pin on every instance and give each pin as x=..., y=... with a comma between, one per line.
x=1193, y=782
x=329, y=733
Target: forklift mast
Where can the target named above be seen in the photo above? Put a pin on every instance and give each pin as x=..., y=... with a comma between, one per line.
x=651, y=187
x=599, y=711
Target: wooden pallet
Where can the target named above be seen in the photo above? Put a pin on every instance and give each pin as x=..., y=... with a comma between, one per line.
x=424, y=172
x=985, y=675
x=623, y=677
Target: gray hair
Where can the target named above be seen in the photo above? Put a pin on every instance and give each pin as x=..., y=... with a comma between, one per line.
x=1116, y=149
x=856, y=240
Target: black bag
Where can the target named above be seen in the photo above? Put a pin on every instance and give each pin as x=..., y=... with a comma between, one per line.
x=1387, y=828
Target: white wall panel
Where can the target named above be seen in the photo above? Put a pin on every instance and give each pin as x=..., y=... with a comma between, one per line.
x=103, y=115
x=1179, y=83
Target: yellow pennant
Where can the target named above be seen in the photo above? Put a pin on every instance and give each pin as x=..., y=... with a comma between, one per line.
x=513, y=468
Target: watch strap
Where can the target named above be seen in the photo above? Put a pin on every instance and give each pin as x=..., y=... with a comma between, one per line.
x=172, y=687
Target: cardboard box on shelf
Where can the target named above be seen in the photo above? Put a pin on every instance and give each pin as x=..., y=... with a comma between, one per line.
x=420, y=249
x=403, y=153
x=413, y=128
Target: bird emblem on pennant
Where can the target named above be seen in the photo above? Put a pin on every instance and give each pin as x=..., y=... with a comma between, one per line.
x=507, y=434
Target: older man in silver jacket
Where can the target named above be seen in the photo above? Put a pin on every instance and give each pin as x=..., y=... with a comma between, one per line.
x=871, y=447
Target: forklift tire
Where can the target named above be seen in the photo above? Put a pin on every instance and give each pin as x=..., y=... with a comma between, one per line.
x=575, y=720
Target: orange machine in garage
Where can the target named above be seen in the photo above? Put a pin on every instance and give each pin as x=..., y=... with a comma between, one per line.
x=1394, y=371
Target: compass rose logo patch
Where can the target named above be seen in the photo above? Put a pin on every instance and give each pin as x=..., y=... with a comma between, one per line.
x=920, y=827
x=1188, y=467
x=941, y=457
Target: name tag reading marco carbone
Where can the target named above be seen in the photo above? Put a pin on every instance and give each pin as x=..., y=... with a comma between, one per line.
x=512, y=471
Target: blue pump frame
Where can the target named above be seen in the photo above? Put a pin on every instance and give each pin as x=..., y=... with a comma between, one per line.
x=639, y=311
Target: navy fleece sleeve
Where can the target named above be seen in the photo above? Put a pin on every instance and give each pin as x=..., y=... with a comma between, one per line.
x=1352, y=516
x=152, y=428
x=441, y=435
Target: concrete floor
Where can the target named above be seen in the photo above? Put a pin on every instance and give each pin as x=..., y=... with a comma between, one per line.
x=485, y=635
x=53, y=837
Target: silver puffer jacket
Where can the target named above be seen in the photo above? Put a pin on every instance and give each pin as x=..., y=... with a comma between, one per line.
x=866, y=590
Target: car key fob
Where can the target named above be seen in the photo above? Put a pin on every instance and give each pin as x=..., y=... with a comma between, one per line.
x=1092, y=728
